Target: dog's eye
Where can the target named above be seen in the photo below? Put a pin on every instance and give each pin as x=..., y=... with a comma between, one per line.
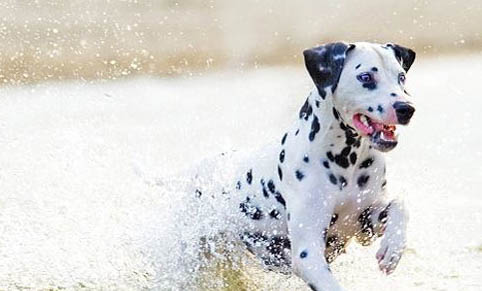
x=365, y=78
x=401, y=78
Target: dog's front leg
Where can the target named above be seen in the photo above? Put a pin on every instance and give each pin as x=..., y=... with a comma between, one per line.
x=395, y=237
x=309, y=219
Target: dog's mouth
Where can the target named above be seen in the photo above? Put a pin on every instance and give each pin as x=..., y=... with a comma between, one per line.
x=382, y=136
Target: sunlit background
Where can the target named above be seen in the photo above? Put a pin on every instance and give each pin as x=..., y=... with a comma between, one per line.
x=93, y=39
x=101, y=101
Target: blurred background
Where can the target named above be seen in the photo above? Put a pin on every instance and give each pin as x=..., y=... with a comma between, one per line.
x=104, y=39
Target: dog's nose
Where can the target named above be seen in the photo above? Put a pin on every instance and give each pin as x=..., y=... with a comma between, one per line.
x=404, y=112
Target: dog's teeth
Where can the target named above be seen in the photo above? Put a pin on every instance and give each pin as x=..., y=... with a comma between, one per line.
x=364, y=120
x=384, y=136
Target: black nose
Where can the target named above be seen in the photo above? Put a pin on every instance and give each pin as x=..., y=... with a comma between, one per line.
x=404, y=111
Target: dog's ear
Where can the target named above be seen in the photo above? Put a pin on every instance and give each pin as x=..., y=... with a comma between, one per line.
x=405, y=56
x=325, y=63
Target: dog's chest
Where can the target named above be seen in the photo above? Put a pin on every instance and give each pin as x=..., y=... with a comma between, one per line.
x=362, y=187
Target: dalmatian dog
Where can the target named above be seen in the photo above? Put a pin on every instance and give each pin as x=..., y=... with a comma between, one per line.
x=302, y=200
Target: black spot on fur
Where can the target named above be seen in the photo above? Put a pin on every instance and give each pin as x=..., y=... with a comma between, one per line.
x=251, y=239
x=282, y=156
x=333, y=179
x=297, y=131
x=317, y=103
x=325, y=234
x=349, y=131
x=362, y=180
x=238, y=185
x=251, y=211
x=198, y=193
x=303, y=254
x=383, y=216
x=326, y=164
x=335, y=114
x=342, y=161
x=322, y=93
x=380, y=108
x=343, y=182
x=257, y=215
x=366, y=163
x=280, y=173
x=393, y=94
x=278, y=244
x=370, y=86
x=271, y=186
x=370, y=109
x=365, y=220
x=249, y=176
x=306, y=110
x=288, y=216
x=353, y=158
x=343, y=126
x=306, y=159
x=299, y=175
x=263, y=186
x=275, y=214
x=276, y=247
x=334, y=218
x=331, y=241
x=330, y=156
x=312, y=287
x=384, y=184
x=346, y=151
x=357, y=66
x=280, y=199
x=357, y=143
x=350, y=140
x=284, y=139
x=315, y=127
x=337, y=246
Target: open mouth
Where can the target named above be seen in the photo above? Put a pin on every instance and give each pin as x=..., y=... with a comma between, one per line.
x=381, y=135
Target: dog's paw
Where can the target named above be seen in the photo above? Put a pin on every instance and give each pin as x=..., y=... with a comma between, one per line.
x=390, y=252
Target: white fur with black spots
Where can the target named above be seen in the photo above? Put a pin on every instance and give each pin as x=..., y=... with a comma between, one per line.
x=302, y=200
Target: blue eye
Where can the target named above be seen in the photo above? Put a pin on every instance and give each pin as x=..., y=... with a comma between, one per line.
x=401, y=78
x=365, y=78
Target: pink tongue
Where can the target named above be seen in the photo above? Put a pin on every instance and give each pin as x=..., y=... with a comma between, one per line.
x=362, y=127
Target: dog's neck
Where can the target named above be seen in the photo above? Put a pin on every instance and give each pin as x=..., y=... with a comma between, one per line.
x=325, y=136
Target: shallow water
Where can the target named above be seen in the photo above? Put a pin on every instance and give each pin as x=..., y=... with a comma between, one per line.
x=85, y=201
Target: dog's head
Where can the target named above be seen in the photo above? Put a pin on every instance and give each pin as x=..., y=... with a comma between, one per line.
x=367, y=84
